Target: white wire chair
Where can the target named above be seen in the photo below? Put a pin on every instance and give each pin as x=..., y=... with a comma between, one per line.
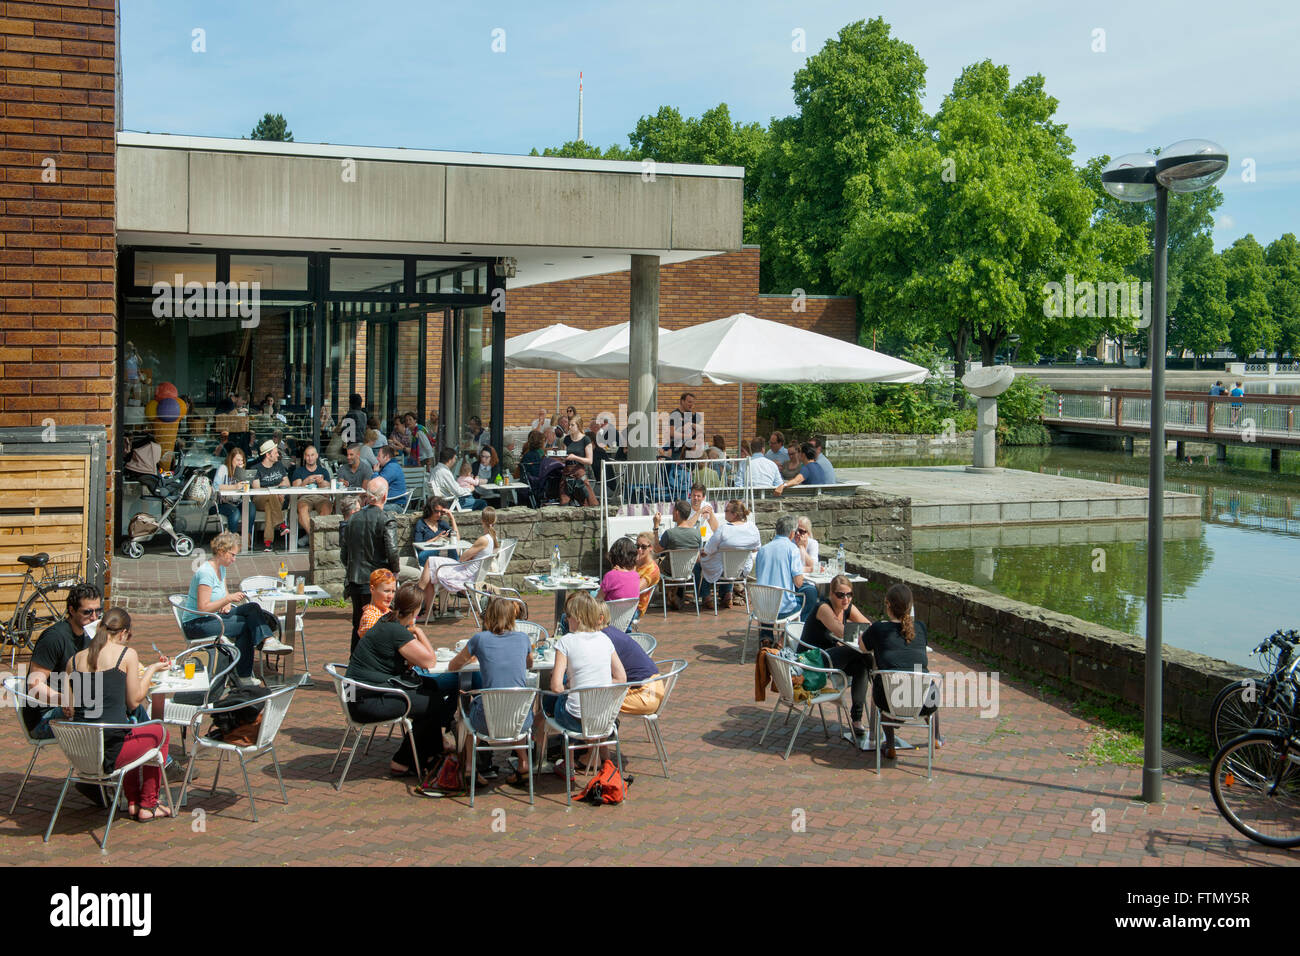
x=622, y=611
x=669, y=679
x=535, y=632
x=782, y=672
x=505, y=712
x=497, y=568
x=83, y=745
x=274, y=707
x=600, y=708
x=680, y=574
x=222, y=656
x=17, y=691
x=646, y=641
x=477, y=565
x=735, y=562
x=347, y=687
x=270, y=582
x=181, y=606
x=477, y=598
x=763, y=603
x=907, y=695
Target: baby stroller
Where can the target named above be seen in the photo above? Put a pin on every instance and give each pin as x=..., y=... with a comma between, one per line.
x=544, y=484
x=145, y=527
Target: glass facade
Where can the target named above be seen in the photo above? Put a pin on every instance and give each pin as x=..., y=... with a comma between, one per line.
x=408, y=334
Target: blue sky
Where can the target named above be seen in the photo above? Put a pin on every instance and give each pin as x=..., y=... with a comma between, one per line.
x=423, y=74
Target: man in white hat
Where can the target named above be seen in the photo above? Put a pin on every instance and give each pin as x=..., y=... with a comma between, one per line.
x=271, y=473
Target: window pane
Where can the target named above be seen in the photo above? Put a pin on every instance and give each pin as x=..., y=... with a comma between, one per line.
x=273, y=272
x=151, y=267
x=360, y=275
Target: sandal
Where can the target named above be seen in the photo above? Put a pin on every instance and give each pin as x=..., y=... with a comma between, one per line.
x=517, y=779
x=155, y=813
x=404, y=772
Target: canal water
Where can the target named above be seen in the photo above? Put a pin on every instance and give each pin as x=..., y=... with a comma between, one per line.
x=1227, y=584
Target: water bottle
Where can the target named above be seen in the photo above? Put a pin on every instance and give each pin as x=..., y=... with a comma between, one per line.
x=839, y=560
x=555, y=562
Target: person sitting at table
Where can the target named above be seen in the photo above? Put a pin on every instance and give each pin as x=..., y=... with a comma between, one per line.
x=383, y=657
x=621, y=581
x=809, y=550
x=647, y=570
x=644, y=697
x=353, y=472
x=436, y=521
x=585, y=657
x=226, y=479
x=379, y=439
x=466, y=478
x=399, y=439
x=809, y=471
x=559, y=434
x=738, y=533
x=247, y=625
x=489, y=466
x=533, y=456
x=505, y=657
x=825, y=630
x=311, y=474
x=120, y=686
x=459, y=574
x=779, y=564
x=899, y=644
x=390, y=470
x=444, y=483
x=777, y=453
x=760, y=471
x=225, y=444
x=681, y=536
x=421, y=448
x=825, y=463
x=541, y=422
x=383, y=588
x=271, y=473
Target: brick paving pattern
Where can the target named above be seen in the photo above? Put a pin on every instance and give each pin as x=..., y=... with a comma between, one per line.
x=1010, y=789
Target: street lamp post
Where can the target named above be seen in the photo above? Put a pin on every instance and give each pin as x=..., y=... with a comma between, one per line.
x=1184, y=167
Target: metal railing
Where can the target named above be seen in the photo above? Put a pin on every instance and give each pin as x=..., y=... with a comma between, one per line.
x=1245, y=418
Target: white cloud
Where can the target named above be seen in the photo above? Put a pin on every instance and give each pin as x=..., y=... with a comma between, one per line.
x=1225, y=222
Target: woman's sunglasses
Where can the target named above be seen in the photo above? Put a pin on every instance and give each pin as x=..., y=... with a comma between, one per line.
x=844, y=594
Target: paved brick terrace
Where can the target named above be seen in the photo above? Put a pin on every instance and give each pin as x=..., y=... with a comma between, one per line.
x=1005, y=790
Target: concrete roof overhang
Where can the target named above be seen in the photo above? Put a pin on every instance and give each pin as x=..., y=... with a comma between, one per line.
x=560, y=218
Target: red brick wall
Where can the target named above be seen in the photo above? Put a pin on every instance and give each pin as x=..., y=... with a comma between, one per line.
x=57, y=244
x=689, y=293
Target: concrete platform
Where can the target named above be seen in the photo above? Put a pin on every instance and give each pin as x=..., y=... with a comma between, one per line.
x=948, y=496
x=1040, y=535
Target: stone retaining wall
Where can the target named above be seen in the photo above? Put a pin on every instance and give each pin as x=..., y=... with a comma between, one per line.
x=865, y=523
x=871, y=446
x=1082, y=657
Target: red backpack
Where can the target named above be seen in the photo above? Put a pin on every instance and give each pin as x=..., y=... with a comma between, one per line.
x=608, y=786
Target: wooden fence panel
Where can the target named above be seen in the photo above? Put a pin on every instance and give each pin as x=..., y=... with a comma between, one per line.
x=44, y=506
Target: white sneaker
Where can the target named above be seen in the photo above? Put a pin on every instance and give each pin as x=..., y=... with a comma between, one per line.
x=275, y=646
x=251, y=683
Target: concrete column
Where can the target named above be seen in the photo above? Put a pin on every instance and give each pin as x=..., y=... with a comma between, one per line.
x=986, y=436
x=1275, y=459
x=1180, y=450
x=1221, y=453
x=1128, y=444
x=643, y=359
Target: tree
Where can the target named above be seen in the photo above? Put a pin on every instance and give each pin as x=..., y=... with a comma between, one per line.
x=1251, y=326
x=272, y=127
x=578, y=149
x=968, y=225
x=857, y=99
x=1201, y=323
x=1283, y=258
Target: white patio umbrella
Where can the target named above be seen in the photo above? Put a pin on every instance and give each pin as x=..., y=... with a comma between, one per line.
x=520, y=348
x=600, y=353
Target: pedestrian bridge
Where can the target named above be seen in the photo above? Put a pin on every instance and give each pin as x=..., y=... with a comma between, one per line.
x=1259, y=421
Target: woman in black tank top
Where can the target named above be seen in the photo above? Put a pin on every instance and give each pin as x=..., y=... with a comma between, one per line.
x=822, y=631
x=110, y=686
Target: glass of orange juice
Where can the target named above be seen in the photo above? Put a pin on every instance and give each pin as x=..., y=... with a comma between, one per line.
x=189, y=668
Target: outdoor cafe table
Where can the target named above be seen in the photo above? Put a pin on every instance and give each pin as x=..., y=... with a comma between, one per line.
x=291, y=599
x=561, y=587
x=822, y=579
x=169, y=684
x=499, y=492
x=290, y=505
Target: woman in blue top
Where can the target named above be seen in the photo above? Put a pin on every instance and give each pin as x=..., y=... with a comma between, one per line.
x=437, y=521
x=247, y=626
x=505, y=658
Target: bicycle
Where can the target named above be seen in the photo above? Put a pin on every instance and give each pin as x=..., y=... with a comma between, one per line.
x=1250, y=704
x=1255, y=781
x=36, y=611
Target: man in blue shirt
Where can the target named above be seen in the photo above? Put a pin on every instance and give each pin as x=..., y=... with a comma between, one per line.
x=1237, y=392
x=823, y=462
x=391, y=472
x=777, y=452
x=778, y=563
x=809, y=470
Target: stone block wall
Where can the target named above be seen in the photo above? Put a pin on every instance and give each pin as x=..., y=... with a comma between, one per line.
x=866, y=447
x=868, y=524
x=1079, y=656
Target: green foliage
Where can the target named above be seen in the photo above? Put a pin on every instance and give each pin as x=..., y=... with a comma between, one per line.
x=1248, y=284
x=854, y=408
x=1283, y=258
x=1022, y=403
x=1024, y=434
x=1201, y=323
x=966, y=225
x=578, y=149
x=272, y=127
x=856, y=99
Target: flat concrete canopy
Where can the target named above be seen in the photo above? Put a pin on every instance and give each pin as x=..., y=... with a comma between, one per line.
x=561, y=218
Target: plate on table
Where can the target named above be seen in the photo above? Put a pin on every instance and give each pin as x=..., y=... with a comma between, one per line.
x=575, y=581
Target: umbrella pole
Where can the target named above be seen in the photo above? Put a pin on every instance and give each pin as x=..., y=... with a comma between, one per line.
x=740, y=414
x=557, y=393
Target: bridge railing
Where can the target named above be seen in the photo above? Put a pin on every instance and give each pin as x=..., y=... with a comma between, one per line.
x=1269, y=416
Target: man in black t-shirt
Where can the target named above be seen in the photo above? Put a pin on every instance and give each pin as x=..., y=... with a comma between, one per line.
x=54, y=648
x=271, y=473
x=684, y=428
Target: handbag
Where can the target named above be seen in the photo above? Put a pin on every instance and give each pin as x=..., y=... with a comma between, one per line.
x=813, y=681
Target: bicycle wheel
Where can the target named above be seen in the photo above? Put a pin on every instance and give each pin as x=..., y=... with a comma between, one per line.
x=1235, y=711
x=1255, y=781
x=38, y=612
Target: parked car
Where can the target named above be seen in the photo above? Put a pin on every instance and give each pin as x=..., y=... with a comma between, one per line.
x=1047, y=360
x=1087, y=360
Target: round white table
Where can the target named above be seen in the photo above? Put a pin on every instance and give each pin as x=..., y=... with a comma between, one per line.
x=291, y=599
x=561, y=588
